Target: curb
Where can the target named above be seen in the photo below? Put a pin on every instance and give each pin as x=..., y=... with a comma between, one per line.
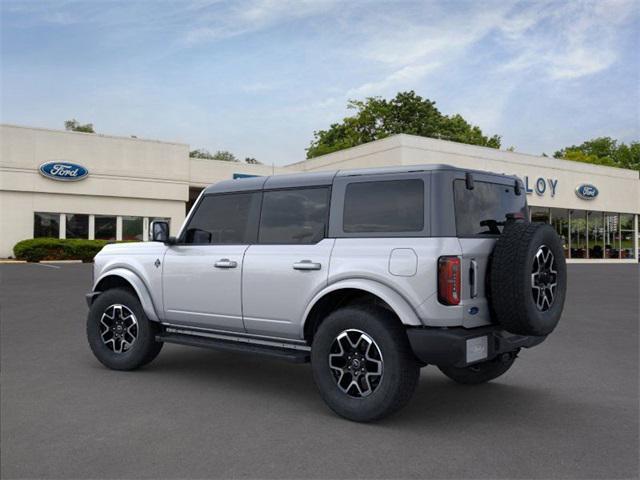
x=60, y=261
x=9, y=261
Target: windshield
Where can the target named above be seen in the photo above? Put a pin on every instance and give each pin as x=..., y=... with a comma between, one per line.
x=483, y=210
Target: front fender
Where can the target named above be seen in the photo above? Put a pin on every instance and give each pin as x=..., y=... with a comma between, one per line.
x=138, y=285
x=398, y=304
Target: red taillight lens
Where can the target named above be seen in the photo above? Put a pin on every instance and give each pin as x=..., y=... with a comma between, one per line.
x=449, y=280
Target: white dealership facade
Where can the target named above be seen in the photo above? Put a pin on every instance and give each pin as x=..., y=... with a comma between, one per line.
x=129, y=182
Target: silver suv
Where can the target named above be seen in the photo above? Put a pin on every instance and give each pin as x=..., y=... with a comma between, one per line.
x=368, y=274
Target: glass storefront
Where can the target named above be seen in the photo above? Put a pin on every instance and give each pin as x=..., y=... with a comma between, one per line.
x=105, y=227
x=590, y=234
x=46, y=225
x=132, y=228
x=77, y=226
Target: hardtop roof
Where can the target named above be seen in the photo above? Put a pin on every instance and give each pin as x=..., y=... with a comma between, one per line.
x=322, y=178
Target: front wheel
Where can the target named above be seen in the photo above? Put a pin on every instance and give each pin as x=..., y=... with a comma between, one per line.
x=119, y=333
x=480, y=372
x=362, y=363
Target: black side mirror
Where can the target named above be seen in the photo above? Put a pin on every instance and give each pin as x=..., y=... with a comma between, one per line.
x=159, y=231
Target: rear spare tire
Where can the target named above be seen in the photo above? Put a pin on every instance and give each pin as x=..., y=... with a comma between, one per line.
x=528, y=279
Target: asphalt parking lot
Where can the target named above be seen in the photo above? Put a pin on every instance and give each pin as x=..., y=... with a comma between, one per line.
x=567, y=409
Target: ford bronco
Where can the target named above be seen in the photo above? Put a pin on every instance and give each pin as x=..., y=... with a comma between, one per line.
x=368, y=274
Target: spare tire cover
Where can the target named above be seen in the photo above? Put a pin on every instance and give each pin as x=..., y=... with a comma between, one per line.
x=528, y=279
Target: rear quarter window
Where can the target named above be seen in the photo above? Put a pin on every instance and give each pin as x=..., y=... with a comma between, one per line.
x=384, y=206
x=483, y=210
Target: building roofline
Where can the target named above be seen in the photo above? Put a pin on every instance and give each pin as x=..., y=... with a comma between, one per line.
x=405, y=140
x=118, y=137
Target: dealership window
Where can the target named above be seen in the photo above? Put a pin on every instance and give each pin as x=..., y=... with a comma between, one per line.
x=539, y=214
x=611, y=235
x=626, y=236
x=132, y=228
x=294, y=216
x=595, y=234
x=77, y=226
x=46, y=225
x=560, y=222
x=578, y=235
x=105, y=227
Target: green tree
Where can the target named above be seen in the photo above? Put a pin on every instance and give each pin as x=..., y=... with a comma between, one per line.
x=225, y=156
x=604, y=151
x=201, y=153
x=74, y=126
x=377, y=118
x=219, y=155
x=252, y=161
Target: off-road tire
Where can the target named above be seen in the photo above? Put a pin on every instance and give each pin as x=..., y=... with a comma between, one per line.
x=480, y=372
x=511, y=294
x=400, y=368
x=142, y=351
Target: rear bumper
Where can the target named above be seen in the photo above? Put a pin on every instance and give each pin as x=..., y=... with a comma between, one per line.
x=460, y=347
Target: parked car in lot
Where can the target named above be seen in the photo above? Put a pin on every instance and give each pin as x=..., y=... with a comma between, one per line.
x=368, y=274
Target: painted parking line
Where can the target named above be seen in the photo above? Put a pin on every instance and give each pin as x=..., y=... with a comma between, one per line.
x=46, y=265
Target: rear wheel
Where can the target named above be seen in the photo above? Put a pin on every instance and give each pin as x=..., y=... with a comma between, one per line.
x=480, y=372
x=119, y=333
x=362, y=363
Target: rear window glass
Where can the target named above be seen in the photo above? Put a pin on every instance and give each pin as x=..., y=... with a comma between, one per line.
x=384, y=206
x=483, y=210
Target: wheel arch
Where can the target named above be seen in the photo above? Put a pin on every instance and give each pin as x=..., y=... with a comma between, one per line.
x=349, y=291
x=121, y=277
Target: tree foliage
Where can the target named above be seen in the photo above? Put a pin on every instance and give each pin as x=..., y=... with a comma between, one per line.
x=377, y=118
x=74, y=126
x=604, y=151
x=252, y=161
x=222, y=155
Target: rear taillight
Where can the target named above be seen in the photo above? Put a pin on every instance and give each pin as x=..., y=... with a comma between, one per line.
x=449, y=280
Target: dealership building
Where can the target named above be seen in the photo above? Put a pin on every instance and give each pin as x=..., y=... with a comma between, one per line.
x=78, y=185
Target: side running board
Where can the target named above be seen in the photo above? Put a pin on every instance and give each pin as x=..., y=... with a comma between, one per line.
x=287, y=354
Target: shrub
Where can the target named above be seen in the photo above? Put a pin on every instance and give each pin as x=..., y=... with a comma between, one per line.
x=36, y=249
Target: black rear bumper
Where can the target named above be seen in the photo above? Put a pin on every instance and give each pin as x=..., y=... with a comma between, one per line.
x=460, y=347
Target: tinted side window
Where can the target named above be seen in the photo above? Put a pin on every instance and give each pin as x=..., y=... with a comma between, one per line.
x=384, y=206
x=294, y=216
x=224, y=219
x=481, y=210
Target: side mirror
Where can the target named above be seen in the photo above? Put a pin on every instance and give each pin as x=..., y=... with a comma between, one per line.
x=159, y=231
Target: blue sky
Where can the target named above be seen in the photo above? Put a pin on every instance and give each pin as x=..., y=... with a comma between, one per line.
x=258, y=77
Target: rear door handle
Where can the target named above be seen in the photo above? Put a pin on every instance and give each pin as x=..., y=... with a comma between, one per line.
x=225, y=263
x=306, y=265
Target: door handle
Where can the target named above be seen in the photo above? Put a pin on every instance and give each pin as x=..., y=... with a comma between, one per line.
x=306, y=265
x=225, y=263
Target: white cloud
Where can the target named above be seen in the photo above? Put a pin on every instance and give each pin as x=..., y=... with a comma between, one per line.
x=405, y=77
x=565, y=41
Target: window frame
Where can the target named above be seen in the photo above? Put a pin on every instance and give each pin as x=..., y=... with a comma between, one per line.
x=181, y=236
x=325, y=234
x=336, y=218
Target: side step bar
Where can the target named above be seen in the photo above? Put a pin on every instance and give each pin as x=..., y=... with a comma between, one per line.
x=287, y=354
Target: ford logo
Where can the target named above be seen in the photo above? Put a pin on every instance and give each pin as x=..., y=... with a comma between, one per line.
x=586, y=191
x=64, y=171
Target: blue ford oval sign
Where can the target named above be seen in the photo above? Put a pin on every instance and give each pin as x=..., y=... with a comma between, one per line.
x=64, y=171
x=586, y=191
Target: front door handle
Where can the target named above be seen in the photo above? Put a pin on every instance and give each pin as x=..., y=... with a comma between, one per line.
x=306, y=265
x=225, y=263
